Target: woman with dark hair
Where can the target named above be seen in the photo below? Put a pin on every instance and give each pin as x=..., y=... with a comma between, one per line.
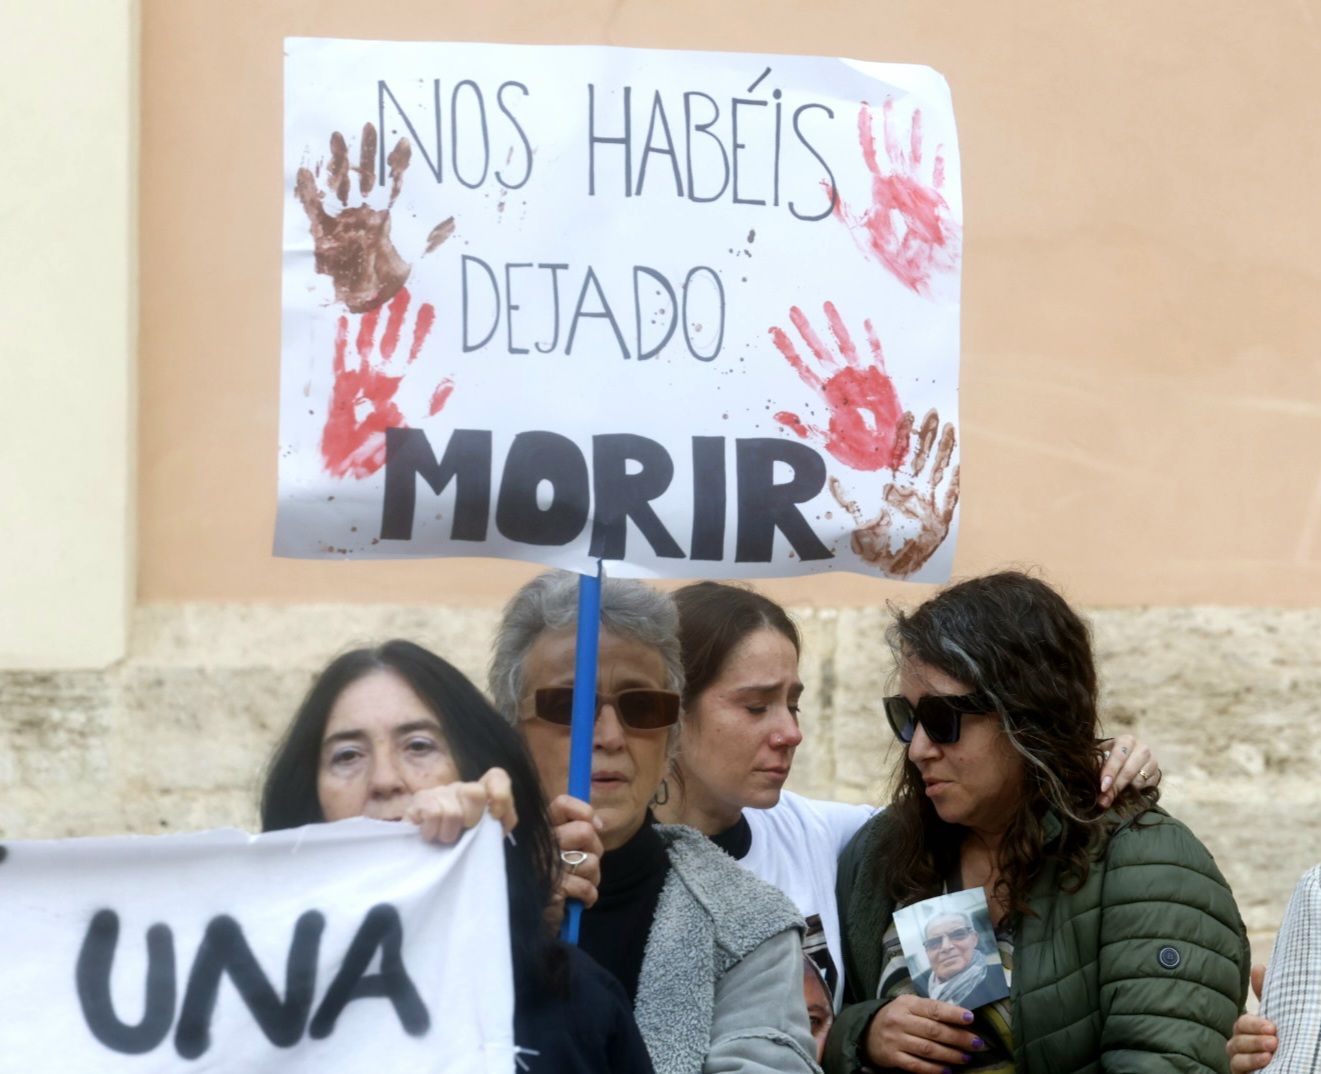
x=738, y=733
x=1126, y=948
x=397, y=733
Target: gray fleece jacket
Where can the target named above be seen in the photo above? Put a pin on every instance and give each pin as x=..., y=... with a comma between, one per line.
x=721, y=986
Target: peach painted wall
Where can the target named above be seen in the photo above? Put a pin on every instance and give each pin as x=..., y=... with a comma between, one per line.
x=1141, y=370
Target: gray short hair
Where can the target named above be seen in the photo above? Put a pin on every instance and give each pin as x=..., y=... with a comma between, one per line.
x=939, y=915
x=629, y=609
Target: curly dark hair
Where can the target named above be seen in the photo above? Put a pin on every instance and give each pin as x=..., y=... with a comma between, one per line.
x=1013, y=638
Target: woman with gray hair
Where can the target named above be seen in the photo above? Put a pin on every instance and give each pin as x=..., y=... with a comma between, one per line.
x=708, y=953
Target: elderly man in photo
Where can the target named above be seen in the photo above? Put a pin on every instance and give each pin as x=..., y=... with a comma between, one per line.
x=959, y=972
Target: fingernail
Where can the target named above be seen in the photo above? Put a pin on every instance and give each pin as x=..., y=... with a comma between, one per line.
x=598, y=824
x=1105, y=783
x=977, y=1042
x=967, y=1016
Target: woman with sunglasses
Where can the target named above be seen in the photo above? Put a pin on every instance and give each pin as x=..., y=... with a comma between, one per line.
x=397, y=733
x=1126, y=948
x=738, y=733
x=710, y=955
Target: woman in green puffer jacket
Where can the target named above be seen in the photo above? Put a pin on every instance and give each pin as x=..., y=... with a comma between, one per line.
x=1125, y=949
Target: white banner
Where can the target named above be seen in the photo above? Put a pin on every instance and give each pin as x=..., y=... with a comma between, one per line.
x=693, y=313
x=338, y=947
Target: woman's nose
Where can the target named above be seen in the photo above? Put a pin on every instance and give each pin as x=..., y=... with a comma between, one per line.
x=788, y=735
x=921, y=748
x=609, y=731
x=386, y=776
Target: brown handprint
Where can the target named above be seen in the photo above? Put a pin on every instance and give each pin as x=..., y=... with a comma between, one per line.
x=903, y=496
x=354, y=248
x=864, y=407
x=362, y=405
x=908, y=228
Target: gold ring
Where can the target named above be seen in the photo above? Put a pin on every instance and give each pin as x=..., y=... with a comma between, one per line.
x=1143, y=773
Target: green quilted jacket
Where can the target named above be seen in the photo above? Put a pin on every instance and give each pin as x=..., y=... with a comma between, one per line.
x=1142, y=970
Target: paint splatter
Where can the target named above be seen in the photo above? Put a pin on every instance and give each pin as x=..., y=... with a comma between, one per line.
x=908, y=228
x=362, y=398
x=862, y=401
x=354, y=247
x=907, y=496
x=440, y=396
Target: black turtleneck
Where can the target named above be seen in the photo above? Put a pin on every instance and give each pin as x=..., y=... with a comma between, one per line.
x=615, y=930
x=735, y=840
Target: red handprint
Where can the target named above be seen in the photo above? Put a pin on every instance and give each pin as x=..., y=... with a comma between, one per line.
x=362, y=402
x=908, y=227
x=903, y=497
x=864, y=407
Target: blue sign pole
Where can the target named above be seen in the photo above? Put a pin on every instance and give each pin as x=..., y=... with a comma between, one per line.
x=584, y=714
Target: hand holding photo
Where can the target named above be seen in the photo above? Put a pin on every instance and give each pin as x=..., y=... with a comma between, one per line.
x=950, y=949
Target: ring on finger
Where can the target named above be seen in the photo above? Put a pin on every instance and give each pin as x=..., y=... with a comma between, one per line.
x=1142, y=774
x=573, y=859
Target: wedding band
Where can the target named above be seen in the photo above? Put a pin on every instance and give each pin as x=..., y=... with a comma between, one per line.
x=573, y=859
x=1143, y=773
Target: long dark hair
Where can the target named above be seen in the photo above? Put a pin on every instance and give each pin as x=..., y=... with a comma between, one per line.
x=1013, y=638
x=478, y=739
x=714, y=618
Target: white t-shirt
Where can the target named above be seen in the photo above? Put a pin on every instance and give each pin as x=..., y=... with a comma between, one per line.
x=796, y=846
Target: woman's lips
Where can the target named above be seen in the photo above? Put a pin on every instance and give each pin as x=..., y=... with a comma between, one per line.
x=777, y=772
x=935, y=786
x=608, y=778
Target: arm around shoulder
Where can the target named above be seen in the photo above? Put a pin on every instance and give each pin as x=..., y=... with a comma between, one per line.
x=760, y=1021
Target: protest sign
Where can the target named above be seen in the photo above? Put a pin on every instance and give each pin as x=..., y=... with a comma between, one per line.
x=694, y=314
x=338, y=947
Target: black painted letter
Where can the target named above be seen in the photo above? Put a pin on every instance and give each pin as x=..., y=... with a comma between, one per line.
x=621, y=495
x=95, y=961
x=381, y=930
x=764, y=507
x=467, y=461
x=224, y=950
x=533, y=458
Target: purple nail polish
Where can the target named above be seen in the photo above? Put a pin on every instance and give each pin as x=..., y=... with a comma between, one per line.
x=967, y=1016
x=977, y=1042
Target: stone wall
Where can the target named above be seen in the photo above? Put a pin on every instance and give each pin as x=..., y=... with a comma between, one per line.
x=174, y=737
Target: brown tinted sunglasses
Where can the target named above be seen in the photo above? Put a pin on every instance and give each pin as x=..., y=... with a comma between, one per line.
x=641, y=709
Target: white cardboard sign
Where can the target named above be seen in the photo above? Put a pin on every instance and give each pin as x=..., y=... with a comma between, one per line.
x=338, y=947
x=696, y=314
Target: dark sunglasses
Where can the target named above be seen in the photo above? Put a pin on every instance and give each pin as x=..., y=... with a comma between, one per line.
x=940, y=716
x=641, y=709
x=957, y=935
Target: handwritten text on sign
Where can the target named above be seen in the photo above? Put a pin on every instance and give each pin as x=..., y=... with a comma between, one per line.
x=337, y=947
x=695, y=313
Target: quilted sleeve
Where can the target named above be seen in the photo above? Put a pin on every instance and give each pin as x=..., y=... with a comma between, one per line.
x=1174, y=955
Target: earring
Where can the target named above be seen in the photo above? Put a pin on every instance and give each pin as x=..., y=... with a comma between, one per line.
x=662, y=794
